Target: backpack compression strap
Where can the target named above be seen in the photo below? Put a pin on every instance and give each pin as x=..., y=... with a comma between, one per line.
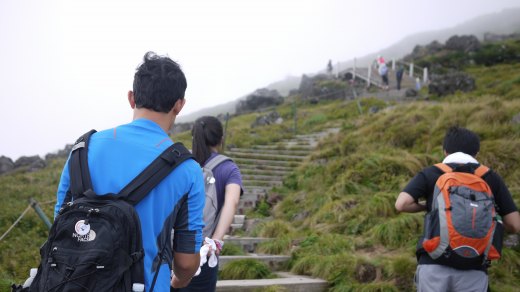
x=78, y=168
x=216, y=161
x=154, y=173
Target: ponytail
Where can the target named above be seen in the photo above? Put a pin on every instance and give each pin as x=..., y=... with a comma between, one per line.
x=207, y=132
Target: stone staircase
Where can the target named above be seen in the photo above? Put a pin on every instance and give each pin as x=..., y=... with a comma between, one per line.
x=264, y=167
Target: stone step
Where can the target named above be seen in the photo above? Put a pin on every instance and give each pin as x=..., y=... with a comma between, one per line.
x=270, y=151
x=241, y=160
x=245, y=205
x=261, y=183
x=248, y=244
x=282, y=145
x=252, y=197
x=256, y=190
x=291, y=283
x=265, y=167
x=274, y=262
x=252, y=171
x=266, y=156
x=261, y=177
x=239, y=219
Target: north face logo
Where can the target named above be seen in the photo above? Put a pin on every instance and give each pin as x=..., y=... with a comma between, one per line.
x=83, y=232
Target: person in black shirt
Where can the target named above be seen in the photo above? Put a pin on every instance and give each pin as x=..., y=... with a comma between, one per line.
x=461, y=147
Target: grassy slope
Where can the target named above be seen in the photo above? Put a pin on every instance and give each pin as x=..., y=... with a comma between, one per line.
x=338, y=207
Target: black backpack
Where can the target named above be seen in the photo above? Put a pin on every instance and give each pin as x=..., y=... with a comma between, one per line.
x=95, y=242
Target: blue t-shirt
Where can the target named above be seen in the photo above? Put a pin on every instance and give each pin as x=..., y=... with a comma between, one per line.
x=118, y=155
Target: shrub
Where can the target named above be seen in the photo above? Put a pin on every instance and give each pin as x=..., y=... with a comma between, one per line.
x=245, y=269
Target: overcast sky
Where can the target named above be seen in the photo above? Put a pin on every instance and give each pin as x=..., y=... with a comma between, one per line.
x=66, y=66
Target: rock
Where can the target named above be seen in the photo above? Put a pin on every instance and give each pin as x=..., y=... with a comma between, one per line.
x=464, y=43
x=373, y=109
x=366, y=273
x=271, y=118
x=63, y=153
x=410, y=92
x=260, y=99
x=420, y=52
x=492, y=37
x=6, y=164
x=444, y=84
x=181, y=127
x=31, y=163
x=516, y=119
x=310, y=87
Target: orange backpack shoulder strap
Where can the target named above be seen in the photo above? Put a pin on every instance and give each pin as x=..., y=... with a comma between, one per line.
x=481, y=170
x=444, y=167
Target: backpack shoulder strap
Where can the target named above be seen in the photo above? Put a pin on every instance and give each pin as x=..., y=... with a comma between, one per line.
x=216, y=161
x=444, y=167
x=78, y=167
x=481, y=170
x=154, y=173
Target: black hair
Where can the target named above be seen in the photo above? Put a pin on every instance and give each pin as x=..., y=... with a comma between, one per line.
x=459, y=139
x=158, y=83
x=206, y=132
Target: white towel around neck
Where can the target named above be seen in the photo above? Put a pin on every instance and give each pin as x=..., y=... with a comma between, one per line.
x=460, y=157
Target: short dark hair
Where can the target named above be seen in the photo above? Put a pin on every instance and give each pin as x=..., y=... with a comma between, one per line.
x=207, y=132
x=459, y=139
x=158, y=83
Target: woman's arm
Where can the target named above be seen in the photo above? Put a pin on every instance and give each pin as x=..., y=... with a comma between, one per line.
x=228, y=210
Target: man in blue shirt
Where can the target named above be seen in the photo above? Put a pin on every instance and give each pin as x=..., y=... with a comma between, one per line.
x=116, y=156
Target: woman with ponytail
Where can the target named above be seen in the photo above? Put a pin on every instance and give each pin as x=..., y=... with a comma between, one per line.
x=207, y=136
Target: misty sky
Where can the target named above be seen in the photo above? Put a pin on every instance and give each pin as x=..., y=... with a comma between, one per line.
x=67, y=65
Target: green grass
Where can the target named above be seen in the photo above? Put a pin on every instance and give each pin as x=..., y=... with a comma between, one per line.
x=336, y=216
x=245, y=269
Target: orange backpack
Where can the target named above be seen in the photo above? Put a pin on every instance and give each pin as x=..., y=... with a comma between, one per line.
x=463, y=226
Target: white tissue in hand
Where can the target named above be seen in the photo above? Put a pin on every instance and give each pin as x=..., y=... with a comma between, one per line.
x=213, y=260
x=209, y=247
x=204, y=254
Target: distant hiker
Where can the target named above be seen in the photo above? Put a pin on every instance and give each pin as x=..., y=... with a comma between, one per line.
x=399, y=75
x=382, y=69
x=468, y=206
x=380, y=60
x=418, y=84
x=222, y=173
x=383, y=72
x=116, y=156
x=329, y=67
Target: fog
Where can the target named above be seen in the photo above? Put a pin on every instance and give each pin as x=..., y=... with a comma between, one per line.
x=67, y=65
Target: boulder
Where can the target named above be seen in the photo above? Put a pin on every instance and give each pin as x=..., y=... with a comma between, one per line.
x=464, y=43
x=423, y=51
x=444, y=84
x=31, y=163
x=269, y=119
x=309, y=85
x=6, y=164
x=410, y=92
x=63, y=153
x=181, y=127
x=260, y=99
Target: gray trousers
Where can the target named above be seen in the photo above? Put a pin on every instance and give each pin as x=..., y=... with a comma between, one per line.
x=430, y=278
